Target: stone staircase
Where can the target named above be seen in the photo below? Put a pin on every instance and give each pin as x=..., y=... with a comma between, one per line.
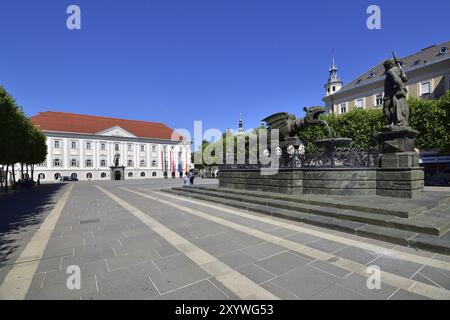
x=419, y=223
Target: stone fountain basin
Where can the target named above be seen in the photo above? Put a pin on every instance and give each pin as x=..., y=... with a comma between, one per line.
x=333, y=142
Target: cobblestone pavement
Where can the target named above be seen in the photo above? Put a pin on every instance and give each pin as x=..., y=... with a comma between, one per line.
x=130, y=241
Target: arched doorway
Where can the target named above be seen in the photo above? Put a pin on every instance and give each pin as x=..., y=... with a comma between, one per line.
x=117, y=175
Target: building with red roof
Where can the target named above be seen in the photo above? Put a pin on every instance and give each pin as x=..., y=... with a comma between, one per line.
x=89, y=147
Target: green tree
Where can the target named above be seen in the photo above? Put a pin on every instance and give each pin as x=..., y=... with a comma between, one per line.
x=20, y=141
x=8, y=124
x=358, y=124
x=432, y=119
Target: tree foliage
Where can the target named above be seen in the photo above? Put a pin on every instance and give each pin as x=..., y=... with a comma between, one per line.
x=20, y=141
x=430, y=117
x=359, y=125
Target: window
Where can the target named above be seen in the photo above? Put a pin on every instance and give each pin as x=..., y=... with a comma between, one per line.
x=88, y=163
x=89, y=176
x=57, y=176
x=103, y=175
x=154, y=174
x=328, y=90
x=102, y=163
x=74, y=176
x=74, y=144
x=130, y=147
x=42, y=164
x=334, y=88
x=130, y=174
x=74, y=162
x=88, y=146
x=425, y=88
x=360, y=103
x=56, y=144
x=41, y=176
x=57, y=162
x=142, y=163
x=103, y=146
x=153, y=163
x=142, y=174
x=116, y=147
x=142, y=147
x=130, y=163
x=153, y=148
x=343, y=108
x=378, y=99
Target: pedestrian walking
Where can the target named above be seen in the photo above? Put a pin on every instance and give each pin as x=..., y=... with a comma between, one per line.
x=186, y=179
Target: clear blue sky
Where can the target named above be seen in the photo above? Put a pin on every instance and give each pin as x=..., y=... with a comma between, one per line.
x=176, y=61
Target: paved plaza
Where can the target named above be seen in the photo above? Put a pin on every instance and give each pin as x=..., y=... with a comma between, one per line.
x=131, y=241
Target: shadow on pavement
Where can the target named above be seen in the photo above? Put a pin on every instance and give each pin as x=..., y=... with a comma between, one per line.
x=21, y=213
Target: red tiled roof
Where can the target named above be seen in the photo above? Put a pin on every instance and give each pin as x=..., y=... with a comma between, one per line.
x=79, y=123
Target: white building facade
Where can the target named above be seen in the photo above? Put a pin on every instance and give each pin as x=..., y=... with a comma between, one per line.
x=91, y=156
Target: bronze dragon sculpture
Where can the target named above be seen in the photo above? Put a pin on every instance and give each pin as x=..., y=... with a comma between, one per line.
x=289, y=125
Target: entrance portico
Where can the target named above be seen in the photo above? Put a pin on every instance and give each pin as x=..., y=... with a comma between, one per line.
x=117, y=173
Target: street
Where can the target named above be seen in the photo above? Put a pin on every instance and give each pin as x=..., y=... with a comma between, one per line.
x=129, y=240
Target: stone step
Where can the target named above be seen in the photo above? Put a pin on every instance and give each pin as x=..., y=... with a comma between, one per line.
x=403, y=211
x=414, y=225
x=403, y=237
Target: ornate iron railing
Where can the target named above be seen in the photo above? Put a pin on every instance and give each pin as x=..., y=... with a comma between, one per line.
x=296, y=160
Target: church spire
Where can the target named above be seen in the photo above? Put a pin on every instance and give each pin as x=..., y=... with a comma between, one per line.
x=334, y=82
x=241, y=125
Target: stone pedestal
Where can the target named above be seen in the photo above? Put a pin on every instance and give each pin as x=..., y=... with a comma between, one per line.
x=399, y=160
x=397, y=139
x=399, y=174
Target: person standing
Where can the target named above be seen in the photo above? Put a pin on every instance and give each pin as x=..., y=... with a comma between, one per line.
x=191, y=177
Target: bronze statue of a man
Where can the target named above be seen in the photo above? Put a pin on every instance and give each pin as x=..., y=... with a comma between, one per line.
x=116, y=159
x=395, y=106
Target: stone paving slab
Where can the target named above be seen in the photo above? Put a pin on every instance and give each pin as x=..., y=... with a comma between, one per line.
x=256, y=273
x=281, y=263
x=263, y=250
x=175, y=279
x=337, y=292
x=196, y=291
x=358, y=284
x=305, y=282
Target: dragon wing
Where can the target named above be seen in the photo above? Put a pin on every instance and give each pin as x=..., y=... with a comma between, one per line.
x=277, y=120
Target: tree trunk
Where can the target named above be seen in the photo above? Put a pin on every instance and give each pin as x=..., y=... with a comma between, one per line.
x=32, y=172
x=13, y=174
x=1, y=177
x=21, y=171
x=6, y=178
x=26, y=165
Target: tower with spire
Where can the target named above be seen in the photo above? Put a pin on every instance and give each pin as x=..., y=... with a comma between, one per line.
x=241, y=125
x=334, y=83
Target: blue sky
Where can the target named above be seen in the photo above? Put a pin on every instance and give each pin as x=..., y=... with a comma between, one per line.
x=176, y=61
